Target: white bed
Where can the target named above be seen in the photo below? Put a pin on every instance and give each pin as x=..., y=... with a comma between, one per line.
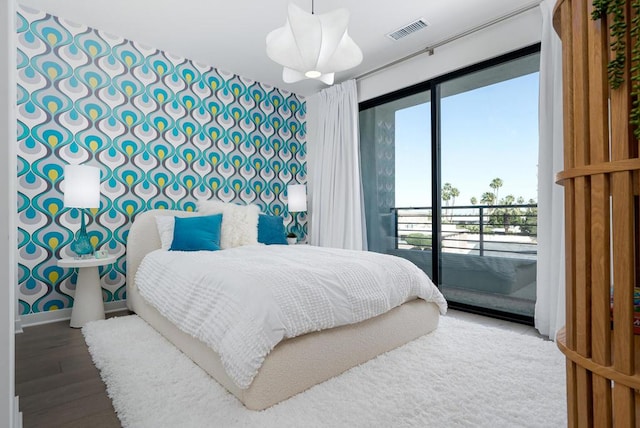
x=295, y=364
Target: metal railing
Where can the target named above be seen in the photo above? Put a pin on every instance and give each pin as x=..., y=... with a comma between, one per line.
x=496, y=230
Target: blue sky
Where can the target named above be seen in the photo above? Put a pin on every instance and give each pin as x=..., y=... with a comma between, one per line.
x=486, y=133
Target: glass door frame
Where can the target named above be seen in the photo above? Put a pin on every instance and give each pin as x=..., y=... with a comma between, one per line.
x=433, y=85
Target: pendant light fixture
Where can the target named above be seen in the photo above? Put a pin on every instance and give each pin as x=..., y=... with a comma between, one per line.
x=311, y=46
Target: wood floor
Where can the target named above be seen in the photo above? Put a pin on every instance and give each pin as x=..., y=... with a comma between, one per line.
x=56, y=381
x=59, y=386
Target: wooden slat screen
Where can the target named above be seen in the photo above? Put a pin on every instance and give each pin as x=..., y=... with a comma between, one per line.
x=601, y=218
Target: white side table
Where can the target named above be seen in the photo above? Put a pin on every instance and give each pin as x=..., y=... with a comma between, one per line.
x=87, y=302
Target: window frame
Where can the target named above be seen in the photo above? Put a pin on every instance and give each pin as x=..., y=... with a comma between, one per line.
x=434, y=85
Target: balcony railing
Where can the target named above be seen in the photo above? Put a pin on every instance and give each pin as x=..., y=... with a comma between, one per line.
x=485, y=230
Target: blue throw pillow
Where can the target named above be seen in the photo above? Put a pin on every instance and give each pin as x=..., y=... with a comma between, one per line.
x=271, y=230
x=197, y=233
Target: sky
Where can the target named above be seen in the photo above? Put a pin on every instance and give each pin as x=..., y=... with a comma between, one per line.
x=487, y=133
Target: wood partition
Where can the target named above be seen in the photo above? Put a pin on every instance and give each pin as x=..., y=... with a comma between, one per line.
x=600, y=180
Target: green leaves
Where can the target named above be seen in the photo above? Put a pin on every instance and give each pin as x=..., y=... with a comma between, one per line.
x=615, y=9
x=634, y=115
x=599, y=9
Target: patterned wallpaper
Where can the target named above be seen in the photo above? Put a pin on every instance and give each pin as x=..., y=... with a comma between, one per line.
x=164, y=131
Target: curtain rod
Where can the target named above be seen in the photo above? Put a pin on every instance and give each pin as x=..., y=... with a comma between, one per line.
x=430, y=49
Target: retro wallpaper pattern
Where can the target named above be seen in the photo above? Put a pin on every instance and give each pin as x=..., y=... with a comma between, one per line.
x=164, y=131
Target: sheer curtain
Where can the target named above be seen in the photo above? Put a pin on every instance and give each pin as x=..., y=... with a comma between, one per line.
x=335, y=187
x=550, y=302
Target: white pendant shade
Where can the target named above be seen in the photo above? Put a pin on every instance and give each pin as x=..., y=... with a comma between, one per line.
x=313, y=46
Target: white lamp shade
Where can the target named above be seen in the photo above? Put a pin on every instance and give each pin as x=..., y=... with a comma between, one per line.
x=81, y=186
x=313, y=45
x=297, y=197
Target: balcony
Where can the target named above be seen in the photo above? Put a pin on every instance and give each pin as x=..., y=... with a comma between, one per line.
x=484, y=230
x=488, y=252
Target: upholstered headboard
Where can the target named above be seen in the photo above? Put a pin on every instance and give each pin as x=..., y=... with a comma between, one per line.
x=143, y=238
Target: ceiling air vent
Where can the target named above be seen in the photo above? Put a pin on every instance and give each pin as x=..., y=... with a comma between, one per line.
x=412, y=27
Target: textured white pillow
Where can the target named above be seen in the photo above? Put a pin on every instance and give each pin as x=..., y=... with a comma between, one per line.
x=165, y=224
x=239, y=222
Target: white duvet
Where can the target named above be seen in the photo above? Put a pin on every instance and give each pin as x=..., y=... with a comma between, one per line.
x=243, y=301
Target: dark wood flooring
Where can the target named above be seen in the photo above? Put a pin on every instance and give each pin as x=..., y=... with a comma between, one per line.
x=56, y=380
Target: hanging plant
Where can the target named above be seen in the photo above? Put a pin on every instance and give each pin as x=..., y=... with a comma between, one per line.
x=617, y=34
x=634, y=116
x=617, y=30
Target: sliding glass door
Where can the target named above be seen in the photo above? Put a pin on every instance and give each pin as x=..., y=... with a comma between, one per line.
x=489, y=157
x=450, y=180
x=396, y=161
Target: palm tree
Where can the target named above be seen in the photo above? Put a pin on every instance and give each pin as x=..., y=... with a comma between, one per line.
x=507, y=216
x=474, y=200
x=488, y=198
x=496, y=184
x=446, y=192
x=446, y=195
x=454, y=194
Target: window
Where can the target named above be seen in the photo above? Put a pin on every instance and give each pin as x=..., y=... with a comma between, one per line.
x=450, y=179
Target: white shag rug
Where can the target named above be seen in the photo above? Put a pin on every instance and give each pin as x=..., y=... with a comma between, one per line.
x=461, y=375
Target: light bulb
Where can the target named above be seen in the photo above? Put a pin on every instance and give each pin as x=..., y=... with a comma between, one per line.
x=313, y=74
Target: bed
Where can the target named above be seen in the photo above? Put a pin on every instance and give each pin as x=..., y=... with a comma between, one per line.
x=294, y=364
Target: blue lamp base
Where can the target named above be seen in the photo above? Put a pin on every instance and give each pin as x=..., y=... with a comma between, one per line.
x=297, y=228
x=82, y=244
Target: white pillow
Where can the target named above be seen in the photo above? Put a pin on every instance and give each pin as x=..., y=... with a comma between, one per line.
x=239, y=222
x=165, y=225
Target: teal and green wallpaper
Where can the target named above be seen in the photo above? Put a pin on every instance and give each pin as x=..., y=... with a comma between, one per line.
x=164, y=131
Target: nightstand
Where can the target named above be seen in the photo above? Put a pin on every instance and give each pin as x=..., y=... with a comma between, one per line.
x=87, y=302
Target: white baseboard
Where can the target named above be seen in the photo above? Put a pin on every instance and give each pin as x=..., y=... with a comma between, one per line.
x=17, y=415
x=18, y=325
x=64, y=314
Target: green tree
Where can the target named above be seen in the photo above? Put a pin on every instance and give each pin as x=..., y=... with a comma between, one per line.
x=474, y=200
x=506, y=216
x=446, y=194
x=488, y=198
x=454, y=194
x=418, y=241
x=496, y=184
x=529, y=223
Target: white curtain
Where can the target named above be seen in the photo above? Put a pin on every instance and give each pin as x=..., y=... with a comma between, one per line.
x=337, y=213
x=550, y=302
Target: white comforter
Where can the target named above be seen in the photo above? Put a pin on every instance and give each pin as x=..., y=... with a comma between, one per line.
x=243, y=301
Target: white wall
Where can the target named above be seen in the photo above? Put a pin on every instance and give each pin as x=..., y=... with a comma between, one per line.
x=8, y=417
x=507, y=36
x=515, y=33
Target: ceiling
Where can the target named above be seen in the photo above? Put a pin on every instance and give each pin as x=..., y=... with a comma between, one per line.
x=230, y=34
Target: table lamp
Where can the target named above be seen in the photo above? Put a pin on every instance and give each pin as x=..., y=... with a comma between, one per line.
x=81, y=190
x=296, y=201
